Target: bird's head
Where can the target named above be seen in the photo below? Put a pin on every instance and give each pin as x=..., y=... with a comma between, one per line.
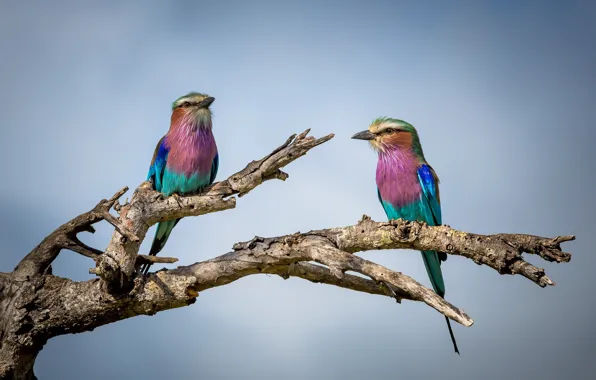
x=193, y=108
x=390, y=134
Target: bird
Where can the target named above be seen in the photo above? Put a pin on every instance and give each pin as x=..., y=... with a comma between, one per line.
x=185, y=159
x=407, y=186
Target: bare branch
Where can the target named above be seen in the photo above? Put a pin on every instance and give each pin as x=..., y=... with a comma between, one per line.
x=79, y=247
x=91, y=306
x=289, y=256
x=502, y=252
x=271, y=255
x=321, y=274
x=146, y=259
x=285, y=256
x=147, y=207
x=121, y=229
x=65, y=237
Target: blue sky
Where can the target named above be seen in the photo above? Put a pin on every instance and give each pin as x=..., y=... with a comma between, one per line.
x=502, y=94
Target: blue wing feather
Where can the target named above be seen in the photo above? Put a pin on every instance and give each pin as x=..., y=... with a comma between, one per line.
x=158, y=164
x=430, y=196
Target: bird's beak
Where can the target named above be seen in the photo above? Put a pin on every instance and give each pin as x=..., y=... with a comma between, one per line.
x=364, y=135
x=205, y=103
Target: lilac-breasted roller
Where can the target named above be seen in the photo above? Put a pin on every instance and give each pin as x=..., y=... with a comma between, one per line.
x=407, y=186
x=185, y=159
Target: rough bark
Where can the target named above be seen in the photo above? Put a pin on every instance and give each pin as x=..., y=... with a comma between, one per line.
x=36, y=306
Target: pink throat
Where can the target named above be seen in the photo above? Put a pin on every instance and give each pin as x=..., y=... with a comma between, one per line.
x=397, y=176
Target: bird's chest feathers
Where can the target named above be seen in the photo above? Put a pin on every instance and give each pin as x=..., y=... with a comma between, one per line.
x=397, y=177
x=190, y=158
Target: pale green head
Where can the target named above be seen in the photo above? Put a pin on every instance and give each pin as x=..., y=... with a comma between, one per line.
x=386, y=133
x=193, y=100
x=385, y=125
x=192, y=110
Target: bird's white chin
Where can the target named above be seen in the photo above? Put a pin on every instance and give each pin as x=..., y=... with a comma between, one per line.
x=375, y=146
x=201, y=118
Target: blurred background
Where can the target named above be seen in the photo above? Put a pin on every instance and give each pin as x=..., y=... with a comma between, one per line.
x=502, y=93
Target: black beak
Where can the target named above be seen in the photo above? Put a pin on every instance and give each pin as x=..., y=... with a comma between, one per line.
x=364, y=135
x=205, y=103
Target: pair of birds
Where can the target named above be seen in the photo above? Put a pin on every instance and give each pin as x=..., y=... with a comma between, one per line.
x=186, y=161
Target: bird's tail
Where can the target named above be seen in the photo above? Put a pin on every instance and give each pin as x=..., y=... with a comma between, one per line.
x=162, y=233
x=452, y=336
x=433, y=268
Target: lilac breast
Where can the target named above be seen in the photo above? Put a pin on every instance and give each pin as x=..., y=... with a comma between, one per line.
x=397, y=177
x=191, y=151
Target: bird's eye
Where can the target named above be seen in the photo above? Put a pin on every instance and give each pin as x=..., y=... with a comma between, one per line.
x=186, y=104
x=389, y=130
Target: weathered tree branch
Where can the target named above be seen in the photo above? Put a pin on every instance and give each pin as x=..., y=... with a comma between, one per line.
x=267, y=255
x=91, y=306
x=502, y=252
x=65, y=237
x=36, y=306
x=146, y=259
x=63, y=306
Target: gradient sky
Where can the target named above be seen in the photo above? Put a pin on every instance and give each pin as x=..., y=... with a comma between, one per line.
x=502, y=93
